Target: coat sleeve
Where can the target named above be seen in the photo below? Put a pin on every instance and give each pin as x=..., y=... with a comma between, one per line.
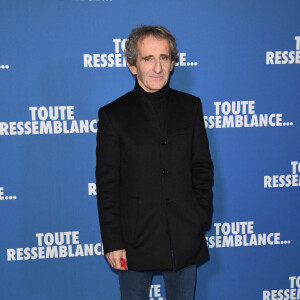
x=107, y=182
x=202, y=168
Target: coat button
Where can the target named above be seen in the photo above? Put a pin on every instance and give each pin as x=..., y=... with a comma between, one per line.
x=167, y=200
x=165, y=171
x=163, y=142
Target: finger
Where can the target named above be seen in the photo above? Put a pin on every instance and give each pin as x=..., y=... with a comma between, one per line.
x=117, y=263
x=111, y=262
x=124, y=255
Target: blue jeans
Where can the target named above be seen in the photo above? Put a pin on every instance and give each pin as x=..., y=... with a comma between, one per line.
x=179, y=285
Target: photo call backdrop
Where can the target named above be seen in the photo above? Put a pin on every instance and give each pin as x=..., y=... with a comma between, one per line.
x=61, y=60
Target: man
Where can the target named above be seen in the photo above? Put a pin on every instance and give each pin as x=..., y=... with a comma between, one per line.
x=154, y=174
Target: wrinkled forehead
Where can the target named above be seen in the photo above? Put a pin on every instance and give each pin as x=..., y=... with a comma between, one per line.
x=149, y=44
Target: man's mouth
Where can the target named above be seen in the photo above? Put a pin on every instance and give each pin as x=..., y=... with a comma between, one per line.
x=156, y=77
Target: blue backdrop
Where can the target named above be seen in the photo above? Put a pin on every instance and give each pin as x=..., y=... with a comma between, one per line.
x=62, y=60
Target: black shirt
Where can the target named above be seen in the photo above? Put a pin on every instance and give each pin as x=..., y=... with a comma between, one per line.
x=158, y=99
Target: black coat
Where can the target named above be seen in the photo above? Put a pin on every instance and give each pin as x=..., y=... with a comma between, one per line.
x=154, y=187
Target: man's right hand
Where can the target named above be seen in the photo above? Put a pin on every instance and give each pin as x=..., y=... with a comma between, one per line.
x=114, y=258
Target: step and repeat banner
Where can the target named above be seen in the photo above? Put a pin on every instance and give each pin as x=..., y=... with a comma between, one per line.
x=61, y=60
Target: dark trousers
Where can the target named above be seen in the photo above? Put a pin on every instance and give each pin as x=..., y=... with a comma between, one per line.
x=179, y=285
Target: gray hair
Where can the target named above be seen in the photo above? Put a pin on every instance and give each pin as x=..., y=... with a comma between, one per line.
x=142, y=31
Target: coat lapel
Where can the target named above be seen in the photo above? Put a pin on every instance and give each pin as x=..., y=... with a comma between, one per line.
x=175, y=118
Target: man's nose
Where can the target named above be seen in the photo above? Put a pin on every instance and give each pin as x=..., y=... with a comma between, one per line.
x=157, y=67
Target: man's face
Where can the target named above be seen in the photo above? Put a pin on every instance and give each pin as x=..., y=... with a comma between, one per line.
x=153, y=63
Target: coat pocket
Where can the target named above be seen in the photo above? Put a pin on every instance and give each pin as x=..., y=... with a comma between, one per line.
x=133, y=208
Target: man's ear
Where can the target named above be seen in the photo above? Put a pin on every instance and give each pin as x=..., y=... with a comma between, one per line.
x=132, y=68
x=172, y=65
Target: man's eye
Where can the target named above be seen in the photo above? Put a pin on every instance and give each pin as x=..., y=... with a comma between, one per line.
x=164, y=57
x=146, y=58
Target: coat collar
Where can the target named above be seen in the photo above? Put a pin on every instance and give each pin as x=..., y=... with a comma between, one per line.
x=138, y=90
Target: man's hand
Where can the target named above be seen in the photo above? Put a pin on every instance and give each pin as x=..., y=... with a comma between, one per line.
x=114, y=258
